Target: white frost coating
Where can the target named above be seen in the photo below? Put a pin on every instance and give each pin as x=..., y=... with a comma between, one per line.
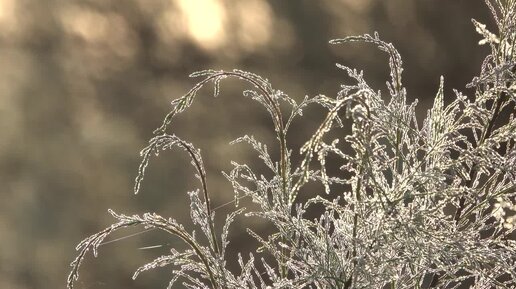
x=415, y=202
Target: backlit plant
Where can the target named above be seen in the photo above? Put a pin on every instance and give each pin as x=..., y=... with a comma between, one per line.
x=429, y=204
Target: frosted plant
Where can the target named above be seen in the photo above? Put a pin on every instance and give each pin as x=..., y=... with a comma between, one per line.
x=427, y=205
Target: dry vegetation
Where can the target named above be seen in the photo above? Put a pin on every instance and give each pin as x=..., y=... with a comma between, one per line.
x=427, y=204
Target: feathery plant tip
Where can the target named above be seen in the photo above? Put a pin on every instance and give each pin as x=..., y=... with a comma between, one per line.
x=429, y=205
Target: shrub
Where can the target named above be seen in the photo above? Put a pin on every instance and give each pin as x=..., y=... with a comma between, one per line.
x=428, y=205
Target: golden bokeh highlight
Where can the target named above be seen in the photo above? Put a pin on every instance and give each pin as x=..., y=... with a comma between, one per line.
x=8, y=17
x=204, y=21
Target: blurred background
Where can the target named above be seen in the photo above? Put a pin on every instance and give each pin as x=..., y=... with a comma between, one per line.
x=84, y=83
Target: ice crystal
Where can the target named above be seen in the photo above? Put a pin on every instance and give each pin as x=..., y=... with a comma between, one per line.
x=429, y=205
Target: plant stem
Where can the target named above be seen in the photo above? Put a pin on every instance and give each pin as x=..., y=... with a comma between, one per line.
x=486, y=134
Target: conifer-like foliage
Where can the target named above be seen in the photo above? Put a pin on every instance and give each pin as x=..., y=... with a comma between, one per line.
x=430, y=204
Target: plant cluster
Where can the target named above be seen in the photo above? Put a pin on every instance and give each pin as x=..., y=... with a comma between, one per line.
x=429, y=204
